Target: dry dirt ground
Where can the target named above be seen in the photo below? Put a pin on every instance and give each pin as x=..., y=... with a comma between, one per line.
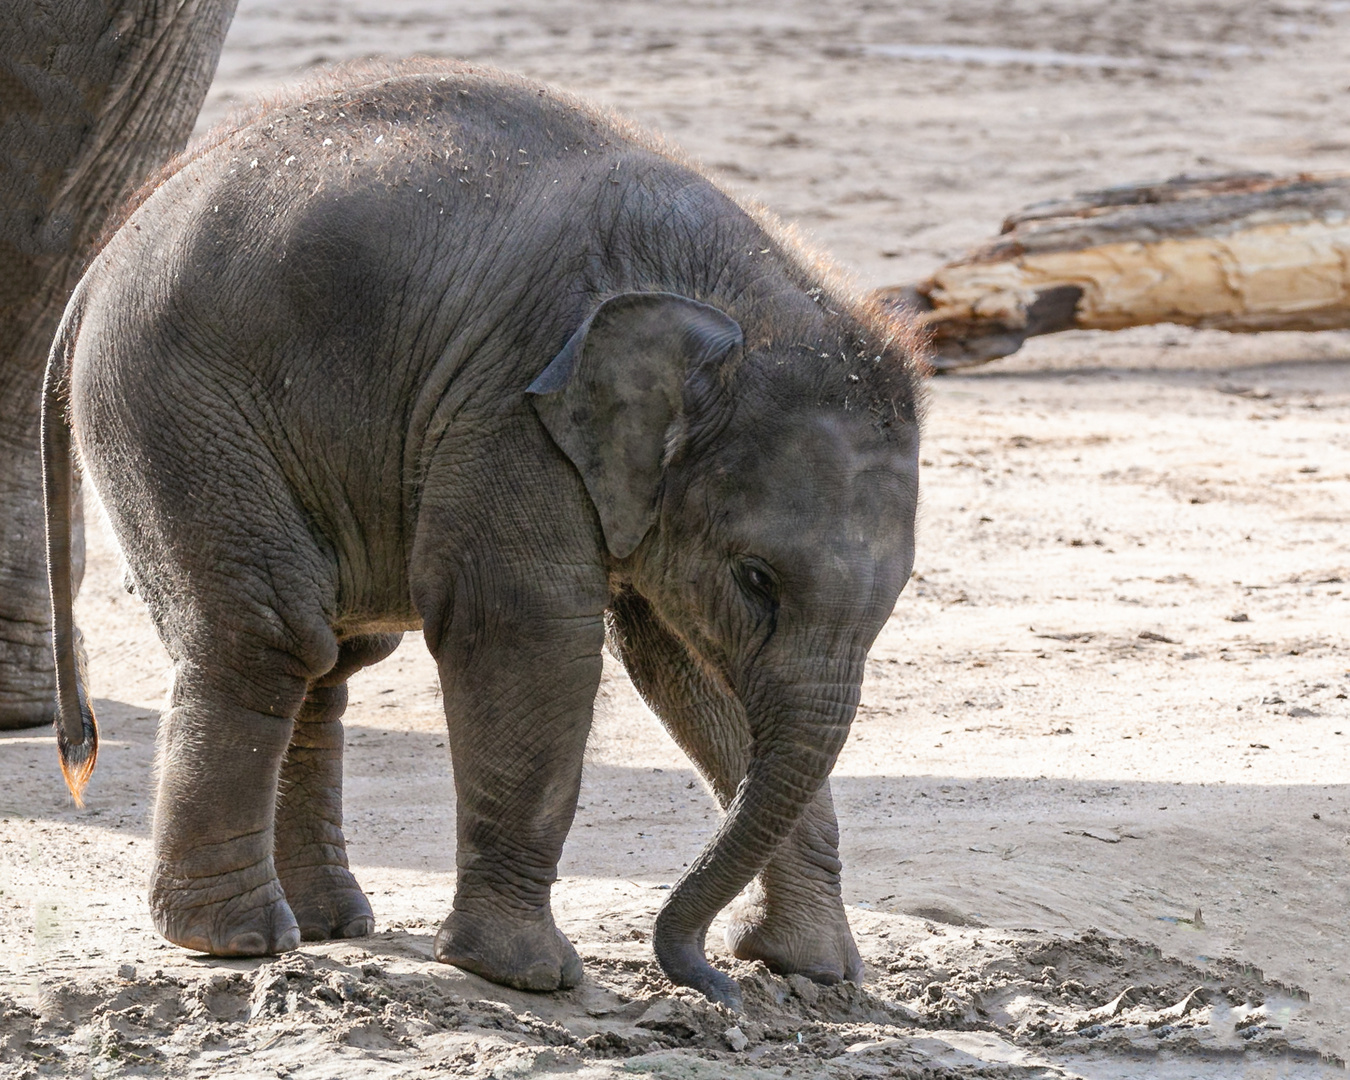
x=1096, y=804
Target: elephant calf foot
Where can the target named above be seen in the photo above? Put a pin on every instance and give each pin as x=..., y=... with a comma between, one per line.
x=241, y=913
x=812, y=941
x=527, y=954
x=327, y=902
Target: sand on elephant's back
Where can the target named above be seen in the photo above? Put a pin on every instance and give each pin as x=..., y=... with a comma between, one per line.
x=382, y=115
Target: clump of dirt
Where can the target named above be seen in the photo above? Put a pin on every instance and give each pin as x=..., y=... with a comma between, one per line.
x=1071, y=994
x=159, y=1024
x=946, y=1001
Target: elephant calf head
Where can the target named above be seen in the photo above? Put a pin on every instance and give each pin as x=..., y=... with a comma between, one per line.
x=757, y=488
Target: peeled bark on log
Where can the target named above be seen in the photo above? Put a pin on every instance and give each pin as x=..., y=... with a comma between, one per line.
x=1244, y=252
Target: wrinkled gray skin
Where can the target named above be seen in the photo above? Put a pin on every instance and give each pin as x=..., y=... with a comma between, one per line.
x=95, y=95
x=489, y=365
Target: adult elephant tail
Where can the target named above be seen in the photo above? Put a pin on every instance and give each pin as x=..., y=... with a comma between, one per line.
x=76, y=727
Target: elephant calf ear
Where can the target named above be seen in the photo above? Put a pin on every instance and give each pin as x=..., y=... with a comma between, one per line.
x=611, y=395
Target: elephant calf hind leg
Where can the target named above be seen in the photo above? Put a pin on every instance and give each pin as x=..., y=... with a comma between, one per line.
x=311, y=851
x=214, y=886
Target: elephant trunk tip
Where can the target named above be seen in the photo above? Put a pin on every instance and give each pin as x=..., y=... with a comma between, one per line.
x=682, y=959
x=78, y=758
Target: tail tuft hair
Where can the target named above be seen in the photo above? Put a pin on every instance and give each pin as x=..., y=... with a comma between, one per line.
x=79, y=758
x=78, y=761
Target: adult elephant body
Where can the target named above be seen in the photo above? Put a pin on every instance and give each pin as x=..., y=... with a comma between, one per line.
x=96, y=95
x=446, y=350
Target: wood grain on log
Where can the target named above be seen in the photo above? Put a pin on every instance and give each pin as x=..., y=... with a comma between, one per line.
x=1245, y=252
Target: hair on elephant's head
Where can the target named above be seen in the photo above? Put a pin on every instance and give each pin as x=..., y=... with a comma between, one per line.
x=758, y=490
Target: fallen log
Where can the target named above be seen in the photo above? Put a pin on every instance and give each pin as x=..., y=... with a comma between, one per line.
x=1244, y=252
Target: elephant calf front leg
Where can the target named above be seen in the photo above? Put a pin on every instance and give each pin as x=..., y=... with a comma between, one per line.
x=792, y=917
x=518, y=707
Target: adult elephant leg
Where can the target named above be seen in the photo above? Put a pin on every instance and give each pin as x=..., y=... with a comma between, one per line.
x=792, y=916
x=520, y=665
x=98, y=94
x=310, y=849
x=27, y=672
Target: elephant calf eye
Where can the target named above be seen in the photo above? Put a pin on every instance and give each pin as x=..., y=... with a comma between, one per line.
x=756, y=581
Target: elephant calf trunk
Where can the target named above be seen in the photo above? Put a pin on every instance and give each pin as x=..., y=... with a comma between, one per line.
x=680, y=954
x=779, y=785
x=76, y=727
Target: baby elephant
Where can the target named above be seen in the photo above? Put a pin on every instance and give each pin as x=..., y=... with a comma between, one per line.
x=440, y=348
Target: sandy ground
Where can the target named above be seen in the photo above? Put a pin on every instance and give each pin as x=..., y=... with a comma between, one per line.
x=1095, y=807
